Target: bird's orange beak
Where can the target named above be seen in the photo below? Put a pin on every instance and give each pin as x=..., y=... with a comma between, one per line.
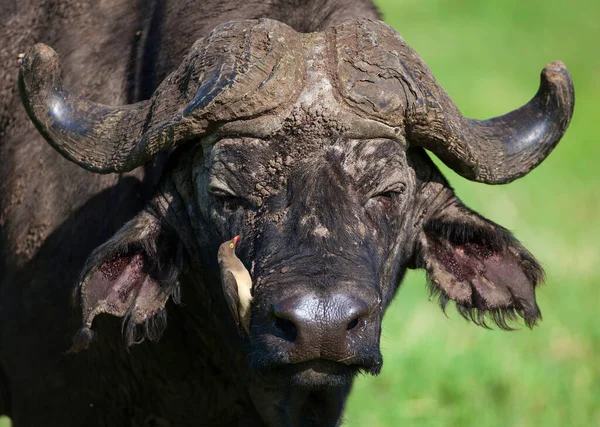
x=235, y=240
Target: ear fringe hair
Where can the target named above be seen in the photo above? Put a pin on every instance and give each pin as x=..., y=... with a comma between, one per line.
x=498, y=239
x=531, y=267
x=151, y=329
x=166, y=273
x=461, y=233
x=82, y=340
x=501, y=317
x=176, y=294
x=484, y=232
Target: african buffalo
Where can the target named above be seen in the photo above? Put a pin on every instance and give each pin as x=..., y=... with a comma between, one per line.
x=300, y=126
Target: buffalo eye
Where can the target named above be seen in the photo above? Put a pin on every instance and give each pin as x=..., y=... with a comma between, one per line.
x=386, y=197
x=230, y=201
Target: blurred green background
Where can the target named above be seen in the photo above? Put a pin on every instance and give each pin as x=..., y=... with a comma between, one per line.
x=442, y=371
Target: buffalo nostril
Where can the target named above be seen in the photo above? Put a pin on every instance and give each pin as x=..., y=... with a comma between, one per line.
x=358, y=323
x=353, y=324
x=287, y=328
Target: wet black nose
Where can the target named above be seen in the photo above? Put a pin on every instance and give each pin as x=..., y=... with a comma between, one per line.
x=321, y=327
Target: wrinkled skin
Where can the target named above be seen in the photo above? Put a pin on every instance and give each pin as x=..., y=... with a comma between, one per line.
x=329, y=226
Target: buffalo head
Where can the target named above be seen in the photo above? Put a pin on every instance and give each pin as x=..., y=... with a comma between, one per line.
x=310, y=146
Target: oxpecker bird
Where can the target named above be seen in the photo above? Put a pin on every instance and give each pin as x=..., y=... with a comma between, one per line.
x=237, y=284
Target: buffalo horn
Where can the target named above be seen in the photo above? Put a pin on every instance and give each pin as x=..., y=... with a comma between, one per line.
x=231, y=74
x=497, y=150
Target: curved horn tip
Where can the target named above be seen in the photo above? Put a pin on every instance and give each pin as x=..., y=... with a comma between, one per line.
x=40, y=58
x=557, y=74
x=504, y=148
x=554, y=68
x=40, y=68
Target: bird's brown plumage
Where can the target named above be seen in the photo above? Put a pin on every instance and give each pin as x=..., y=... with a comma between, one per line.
x=237, y=284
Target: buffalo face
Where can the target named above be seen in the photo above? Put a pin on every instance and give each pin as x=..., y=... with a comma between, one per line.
x=327, y=236
x=322, y=233
x=310, y=146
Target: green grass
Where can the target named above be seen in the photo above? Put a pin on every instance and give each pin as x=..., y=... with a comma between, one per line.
x=441, y=371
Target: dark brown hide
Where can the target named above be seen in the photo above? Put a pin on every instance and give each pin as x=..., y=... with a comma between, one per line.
x=306, y=145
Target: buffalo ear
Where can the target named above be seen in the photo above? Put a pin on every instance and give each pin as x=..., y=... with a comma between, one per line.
x=480, y=266
x=130, y=276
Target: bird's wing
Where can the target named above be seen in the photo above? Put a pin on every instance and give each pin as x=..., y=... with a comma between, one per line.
x=231, y=295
